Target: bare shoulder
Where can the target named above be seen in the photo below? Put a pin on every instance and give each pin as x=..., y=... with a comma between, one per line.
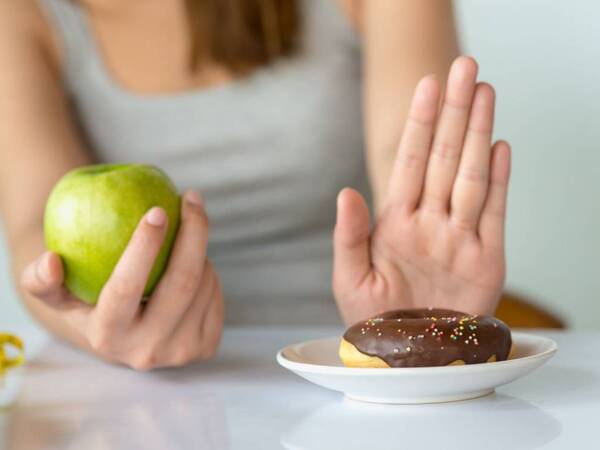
x=20, y=16
x=23, y=24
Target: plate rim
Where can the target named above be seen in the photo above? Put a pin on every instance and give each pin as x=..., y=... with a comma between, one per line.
x=397, y=371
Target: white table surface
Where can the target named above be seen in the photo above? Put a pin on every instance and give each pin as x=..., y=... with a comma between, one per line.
x=244, y=400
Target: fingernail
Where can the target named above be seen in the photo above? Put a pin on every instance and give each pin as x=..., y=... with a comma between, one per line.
x=430, y=77
x=339, y=199
x=338, y=204
x=156, y=217
x=43, y=268
x=426, y=98
x=194, y=198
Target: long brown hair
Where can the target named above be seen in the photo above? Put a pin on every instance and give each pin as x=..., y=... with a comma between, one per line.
x=242, y=34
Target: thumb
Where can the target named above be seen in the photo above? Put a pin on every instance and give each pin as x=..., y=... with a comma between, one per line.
x=43, y=278
x=352, y=261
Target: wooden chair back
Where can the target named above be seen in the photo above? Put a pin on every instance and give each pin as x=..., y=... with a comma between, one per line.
x=519, y=312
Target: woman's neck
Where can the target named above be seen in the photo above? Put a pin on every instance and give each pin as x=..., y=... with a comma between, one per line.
x=145, y=46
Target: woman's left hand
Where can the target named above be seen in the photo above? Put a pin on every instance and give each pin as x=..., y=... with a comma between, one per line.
x=439, y=238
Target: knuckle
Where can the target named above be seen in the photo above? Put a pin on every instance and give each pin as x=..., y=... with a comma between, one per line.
x=445, y=150
x=182, y=357
x=473, y=175
x=141, y=365
x=481, y=131
x=101, y=341
x=144, y=362
x=419, y=122
x=434, y=203
x=463, y=223
x=411, y=160
x=119, y=288
x=456, y=106
x=186, y=278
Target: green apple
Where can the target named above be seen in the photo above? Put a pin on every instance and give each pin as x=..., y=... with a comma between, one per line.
x=92, y=213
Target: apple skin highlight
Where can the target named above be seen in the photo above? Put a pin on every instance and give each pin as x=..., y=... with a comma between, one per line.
x=92, y=213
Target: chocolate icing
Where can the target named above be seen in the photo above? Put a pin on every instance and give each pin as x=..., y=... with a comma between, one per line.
x=430, y=337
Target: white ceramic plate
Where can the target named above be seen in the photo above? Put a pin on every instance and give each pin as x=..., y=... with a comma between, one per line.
x=318, y=362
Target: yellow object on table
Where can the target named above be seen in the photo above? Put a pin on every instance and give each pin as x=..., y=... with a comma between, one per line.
x=10, y=379
x=9, y=363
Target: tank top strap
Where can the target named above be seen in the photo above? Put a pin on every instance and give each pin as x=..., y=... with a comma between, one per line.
x=67, y=20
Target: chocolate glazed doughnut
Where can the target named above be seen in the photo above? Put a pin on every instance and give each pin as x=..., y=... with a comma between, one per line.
x=425, y=338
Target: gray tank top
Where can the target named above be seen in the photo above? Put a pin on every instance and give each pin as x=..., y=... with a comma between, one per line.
x=269, y=153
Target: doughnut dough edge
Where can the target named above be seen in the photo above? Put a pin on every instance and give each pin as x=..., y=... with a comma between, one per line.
x=352, y=357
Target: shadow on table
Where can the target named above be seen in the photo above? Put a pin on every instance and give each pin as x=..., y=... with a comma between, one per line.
x=229, y=367
x=223, y=367
x=495, y=422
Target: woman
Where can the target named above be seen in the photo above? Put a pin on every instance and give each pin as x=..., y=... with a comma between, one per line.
x=257, y=105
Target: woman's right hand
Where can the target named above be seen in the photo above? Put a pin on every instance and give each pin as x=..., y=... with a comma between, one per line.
x=180, y=323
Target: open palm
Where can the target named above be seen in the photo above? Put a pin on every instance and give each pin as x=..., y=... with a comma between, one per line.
x=439, y=238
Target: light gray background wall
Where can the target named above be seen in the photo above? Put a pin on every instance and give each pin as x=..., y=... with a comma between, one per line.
x=543, y=57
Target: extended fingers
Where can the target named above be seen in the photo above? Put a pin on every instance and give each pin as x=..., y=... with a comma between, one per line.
x=407, y=177
x=493, y=217
x=121, y=296
x=449, y=134
x=181, y=280
x=472, y=179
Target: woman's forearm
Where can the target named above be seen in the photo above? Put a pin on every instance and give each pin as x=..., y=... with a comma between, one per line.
x=39, y=142
x=403, y=41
